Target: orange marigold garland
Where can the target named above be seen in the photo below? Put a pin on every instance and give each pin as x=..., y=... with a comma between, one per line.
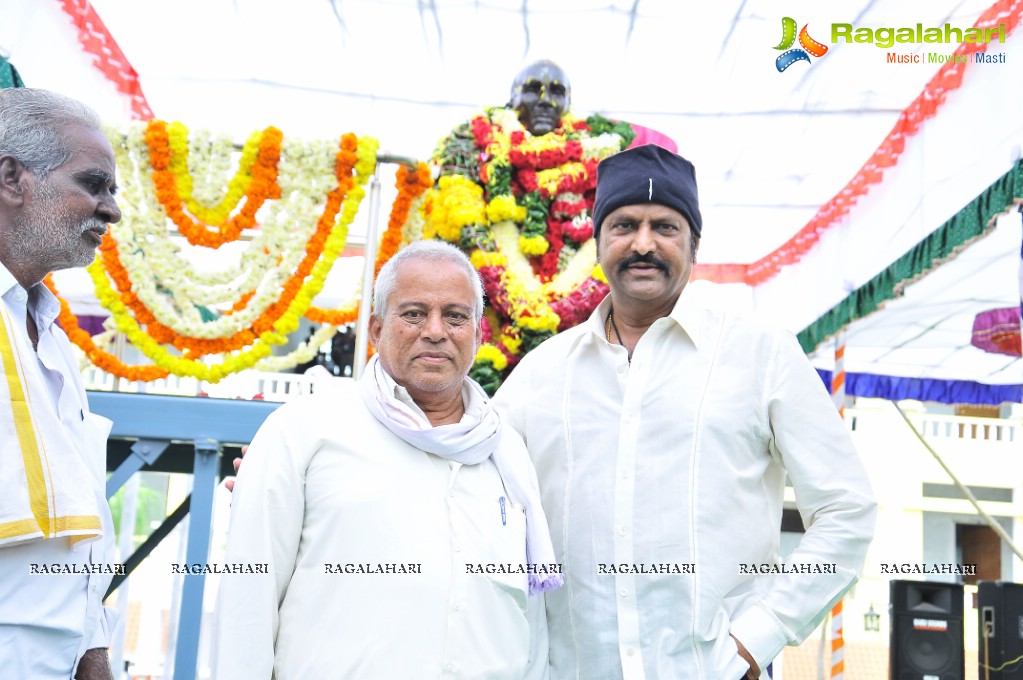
x=346, y=159
x=263, y=186
x=411, y=185
x=104, y=360
x=352, y=156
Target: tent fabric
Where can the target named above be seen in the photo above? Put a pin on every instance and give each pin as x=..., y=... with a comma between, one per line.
x=896, y=388
x=773, y=150
x=107, y=56
x=998, y=331
x=1004, y=13
x=9, y=75
x=969, y=224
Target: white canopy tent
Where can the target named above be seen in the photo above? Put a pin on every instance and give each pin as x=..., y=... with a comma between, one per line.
x=770, y=147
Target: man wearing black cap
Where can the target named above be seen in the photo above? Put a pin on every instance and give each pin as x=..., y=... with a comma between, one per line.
x=662, y=435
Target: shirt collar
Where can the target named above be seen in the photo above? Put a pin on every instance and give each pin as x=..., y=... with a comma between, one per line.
x=39, y=297
x=7, y=280
x=683, y=314
x=470, y=400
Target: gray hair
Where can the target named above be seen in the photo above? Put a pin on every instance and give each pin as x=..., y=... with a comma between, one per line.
x=33, y=126
x=433, y=251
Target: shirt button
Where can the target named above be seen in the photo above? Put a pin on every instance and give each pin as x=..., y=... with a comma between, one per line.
x=451, y=667
x=621, y=369
x=623, y=592
x=458, y=548
x=630, y=651
x=457, y=607
x=621, y=531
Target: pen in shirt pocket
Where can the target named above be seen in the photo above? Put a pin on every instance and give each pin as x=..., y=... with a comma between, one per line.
x=504, y=512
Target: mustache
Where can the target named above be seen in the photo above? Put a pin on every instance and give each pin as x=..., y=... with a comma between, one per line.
x=648, y=259
x=93, y=223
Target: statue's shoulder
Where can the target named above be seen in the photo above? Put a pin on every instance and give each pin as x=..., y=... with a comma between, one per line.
x=458, y=152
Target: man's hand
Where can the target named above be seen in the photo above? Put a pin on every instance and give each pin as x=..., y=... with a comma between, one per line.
x=237, y=462
x=94, y=665
x=754, y=670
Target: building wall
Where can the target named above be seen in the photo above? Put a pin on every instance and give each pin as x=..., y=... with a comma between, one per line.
x=918, y=529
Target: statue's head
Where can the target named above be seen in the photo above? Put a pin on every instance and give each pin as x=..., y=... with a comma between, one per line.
x=540, y=94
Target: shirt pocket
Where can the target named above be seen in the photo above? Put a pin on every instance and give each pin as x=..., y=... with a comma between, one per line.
x=511, y=572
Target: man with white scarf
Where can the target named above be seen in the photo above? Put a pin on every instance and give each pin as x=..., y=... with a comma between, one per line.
x=397, y=517
x=56, y=536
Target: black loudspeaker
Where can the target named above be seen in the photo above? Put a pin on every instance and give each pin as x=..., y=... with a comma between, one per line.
x=926, y=631
x=1000, y=609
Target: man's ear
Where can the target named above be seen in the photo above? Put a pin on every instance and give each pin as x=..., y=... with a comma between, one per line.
x=12, y=181
x=376, y=324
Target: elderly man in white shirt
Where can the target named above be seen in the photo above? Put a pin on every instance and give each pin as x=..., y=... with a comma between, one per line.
x=662, y=434
x=398, y=519
x=56, y=536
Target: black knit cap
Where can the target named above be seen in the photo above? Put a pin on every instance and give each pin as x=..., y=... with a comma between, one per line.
x=647, y=174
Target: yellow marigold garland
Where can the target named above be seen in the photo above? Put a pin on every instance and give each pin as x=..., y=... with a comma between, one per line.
x=533, y=243
x=456, y=203
x=488, y=352
x=165, y=362
x=178, y=136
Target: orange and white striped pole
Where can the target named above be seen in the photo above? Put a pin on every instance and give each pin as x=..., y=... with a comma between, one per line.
x=837, y=643
x=838, y=376
x=838, y=396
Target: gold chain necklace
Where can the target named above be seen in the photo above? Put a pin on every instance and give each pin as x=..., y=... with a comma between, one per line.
x=607, y=330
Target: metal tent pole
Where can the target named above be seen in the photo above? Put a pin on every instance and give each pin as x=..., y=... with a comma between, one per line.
x=368, y=265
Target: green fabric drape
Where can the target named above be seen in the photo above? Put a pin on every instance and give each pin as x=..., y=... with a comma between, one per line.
x=9, y=76
x=966, y=226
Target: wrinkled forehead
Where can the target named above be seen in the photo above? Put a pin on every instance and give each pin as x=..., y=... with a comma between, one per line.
x=89, y=149
x=544, y=72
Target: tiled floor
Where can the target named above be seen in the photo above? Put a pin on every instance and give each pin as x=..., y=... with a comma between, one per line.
x=863, y=661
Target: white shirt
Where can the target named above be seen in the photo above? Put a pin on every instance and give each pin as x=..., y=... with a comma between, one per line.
x=48, y=621
x=677, y=462
x=324, y=483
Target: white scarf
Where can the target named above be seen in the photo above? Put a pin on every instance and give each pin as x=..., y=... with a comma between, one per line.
x=42, y=474
x=470, y=442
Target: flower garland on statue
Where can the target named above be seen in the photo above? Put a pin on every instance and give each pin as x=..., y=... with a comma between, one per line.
x=269, y=327
x=520, y=205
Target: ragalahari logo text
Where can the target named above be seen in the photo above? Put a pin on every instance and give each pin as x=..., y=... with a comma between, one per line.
x=807, y=44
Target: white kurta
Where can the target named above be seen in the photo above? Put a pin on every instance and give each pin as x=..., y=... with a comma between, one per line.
x=677, y=463
x=48, y=621
x=325, y=486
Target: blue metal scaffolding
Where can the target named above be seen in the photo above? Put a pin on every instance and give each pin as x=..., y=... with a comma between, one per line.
x=178, y=434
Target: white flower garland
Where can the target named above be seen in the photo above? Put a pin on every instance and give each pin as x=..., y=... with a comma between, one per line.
x=300, y=355
x=168, y=284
